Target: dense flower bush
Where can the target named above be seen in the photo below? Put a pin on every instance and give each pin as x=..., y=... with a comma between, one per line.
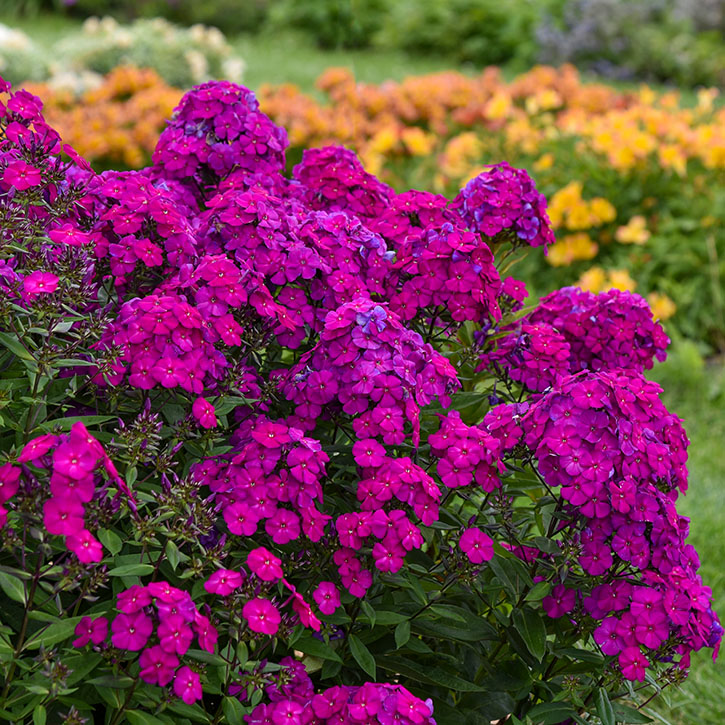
x=290, y=450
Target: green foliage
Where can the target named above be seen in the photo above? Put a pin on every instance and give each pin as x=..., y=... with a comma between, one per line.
x=333, y=23
x=484, y=32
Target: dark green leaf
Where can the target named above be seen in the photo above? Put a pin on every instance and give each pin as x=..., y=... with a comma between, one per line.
x=532, y=629
x=362, y=655
x=550, y=713
x=39, y=715
x=113, y=681
x=138, y=717
x=604, y=707
x=53, y=634
x=540, y=590
x=311, y=646
x=13, y=587
x=131, y=570
x=626, y=714
x=369, y=612
x=12, y=343
x=402, y=634
x=234, y=711
x=110, y=540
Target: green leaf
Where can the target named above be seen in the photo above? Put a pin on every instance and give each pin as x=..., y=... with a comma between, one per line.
x=138, y=717
x=66, y=423
x=311, y=646
x=626, y=714
x=172, y=554
x=12, y=343
x=402, y=634
x=208, y=657
x=113, y=681
x=131, y=570
x=362, y=655
x=540, y=590
x=532, y=629
x=39, y=715
x=369, y=612
x=604, y=707
x=13, y=587
x=234, y=711
x=428, y=675
x=110, y=540
x=53, y=634
x=511, y=573
x=550, y=713
x=385, y=617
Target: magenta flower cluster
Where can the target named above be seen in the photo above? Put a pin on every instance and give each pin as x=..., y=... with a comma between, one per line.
x=573, y=330
x=504, y=199
x=606, y=442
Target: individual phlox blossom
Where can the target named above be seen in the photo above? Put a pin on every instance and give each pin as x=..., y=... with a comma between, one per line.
x=604, y=331
x=476, y=545
x=85, y=546
x=223, y=582
x=90, y=630
x=561, y=601
x=204, y=412
x=513, y=294
x=264, y=564
x=157, y=666
x=332, y=178
x=131, y=631
x=262, y=616
x=39, y=283
x=505, y=199
x=175, y=634
x=327, y=597
x=187, y=685
x=21, y=175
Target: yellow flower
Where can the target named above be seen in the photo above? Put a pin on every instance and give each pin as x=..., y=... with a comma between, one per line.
x=634, y=231
x=498, y=106
x=572, y=248
x=661, y=305
x=417, y=141
x=603, y=210
x=578, y=216
x=671, y=156
x=545, y=161
x=593, y=280
x=383, y=141
x=620, y=279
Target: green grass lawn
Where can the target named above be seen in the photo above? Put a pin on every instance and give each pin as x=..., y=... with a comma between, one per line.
x=695, y=393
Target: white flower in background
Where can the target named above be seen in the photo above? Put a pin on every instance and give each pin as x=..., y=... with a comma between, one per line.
x=198, y=65
x=233, y=69
x=11, y=39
